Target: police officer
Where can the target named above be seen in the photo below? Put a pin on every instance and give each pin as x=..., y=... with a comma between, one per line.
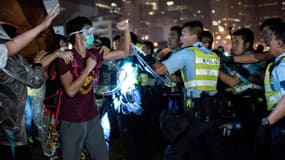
x=172, y=95
x=266, y=30
x=200, y=73
x=273, y=125
x=244, y=83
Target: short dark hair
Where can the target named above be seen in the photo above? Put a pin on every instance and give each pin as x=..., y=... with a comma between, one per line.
x=196, y=26
x=61, y=37
x=117, y=37
x=105, y=41
x=279, y=31
x=177, y=29
x=247, y=35
x=269, y=22
x=76, y=24
x=149, y=45
x=209, y=35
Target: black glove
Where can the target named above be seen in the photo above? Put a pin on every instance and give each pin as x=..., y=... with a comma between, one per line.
x=263, y=132
x=227, y=59
x=242, y=71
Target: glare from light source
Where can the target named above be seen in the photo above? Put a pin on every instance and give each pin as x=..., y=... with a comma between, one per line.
x=146, y=37
x=170, y=3
x=155, y=44
x=151, y=13
x=221, y=29
x=228, y=36
x=113, y=4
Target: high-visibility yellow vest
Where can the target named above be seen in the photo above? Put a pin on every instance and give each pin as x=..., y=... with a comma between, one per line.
x=245, y=86
x=35, y=91
x=206, y=71
x=272, y=97
x=146, y=80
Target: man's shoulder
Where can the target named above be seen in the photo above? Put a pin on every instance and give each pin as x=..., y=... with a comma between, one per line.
x=186, y=50
x=94, y=50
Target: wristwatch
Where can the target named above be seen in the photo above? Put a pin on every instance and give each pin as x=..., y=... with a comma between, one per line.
x=265, y=122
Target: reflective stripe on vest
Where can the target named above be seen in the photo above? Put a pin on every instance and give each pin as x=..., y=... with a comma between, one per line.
x=206, y=71
x=272, y=97
x=34, y=91
x=243, y=87
x=146, y=80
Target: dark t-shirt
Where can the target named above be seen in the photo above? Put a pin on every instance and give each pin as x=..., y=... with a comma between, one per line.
x=82, y=107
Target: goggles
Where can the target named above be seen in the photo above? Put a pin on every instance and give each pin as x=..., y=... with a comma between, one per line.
x=85, y=31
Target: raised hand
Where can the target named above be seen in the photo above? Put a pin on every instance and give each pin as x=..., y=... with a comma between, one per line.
x=123, y=25
x=49, y=18
x=67, y=56
x=104, y=50
x=39, y=56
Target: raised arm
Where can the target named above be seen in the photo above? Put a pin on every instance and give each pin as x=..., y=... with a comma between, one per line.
x=159, y=68
x=45, y=59
x=22, y=40
x=231, y=81
x=252, y=58
x=125, y=50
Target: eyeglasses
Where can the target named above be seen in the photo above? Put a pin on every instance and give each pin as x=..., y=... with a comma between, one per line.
x=84, y=31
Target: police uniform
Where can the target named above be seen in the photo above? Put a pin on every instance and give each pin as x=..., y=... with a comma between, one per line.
x=249, y=108
x=199, y=78
x=274, y=83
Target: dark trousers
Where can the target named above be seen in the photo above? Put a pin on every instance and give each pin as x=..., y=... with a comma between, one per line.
x=21, y=152
x=131, y=135
x=201, y=142
x=277, y=146
x=249, y=112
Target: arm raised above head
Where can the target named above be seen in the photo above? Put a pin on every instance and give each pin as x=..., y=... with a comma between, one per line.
x=19, y=42
x=125, y=50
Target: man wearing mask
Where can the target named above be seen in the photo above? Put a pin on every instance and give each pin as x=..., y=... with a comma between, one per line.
x=80, y=123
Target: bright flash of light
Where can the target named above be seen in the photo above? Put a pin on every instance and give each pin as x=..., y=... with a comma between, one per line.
x=128, y=78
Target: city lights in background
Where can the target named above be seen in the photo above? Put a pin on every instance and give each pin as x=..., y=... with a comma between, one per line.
x=155, y=44
x=170, y=3
x=152, y=19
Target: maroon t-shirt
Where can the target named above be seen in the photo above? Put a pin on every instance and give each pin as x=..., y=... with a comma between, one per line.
x=82, y=107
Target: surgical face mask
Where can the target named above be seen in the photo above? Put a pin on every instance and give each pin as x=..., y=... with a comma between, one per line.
x=89, y=41
x=87, y=32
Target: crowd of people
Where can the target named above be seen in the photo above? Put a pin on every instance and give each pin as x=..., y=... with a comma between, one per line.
x=218, y=107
